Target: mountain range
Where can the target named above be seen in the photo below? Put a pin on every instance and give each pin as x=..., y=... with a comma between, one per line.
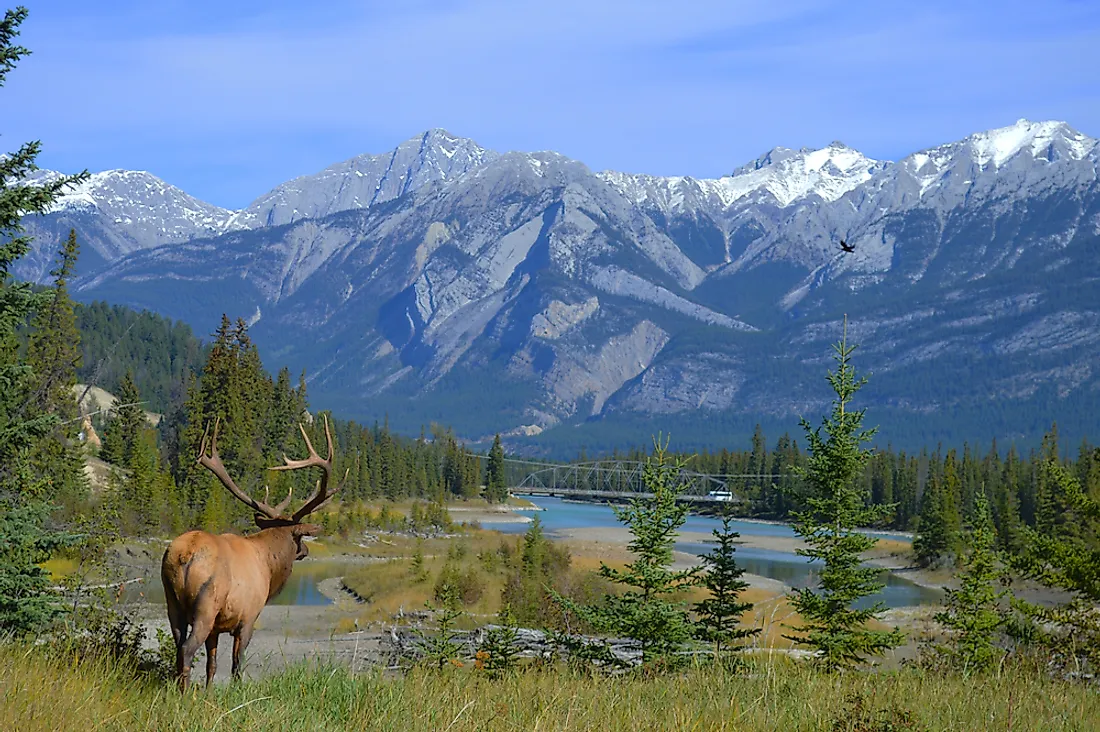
x=526, y=294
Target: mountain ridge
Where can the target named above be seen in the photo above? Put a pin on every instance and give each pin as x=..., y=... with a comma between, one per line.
x=564, y=296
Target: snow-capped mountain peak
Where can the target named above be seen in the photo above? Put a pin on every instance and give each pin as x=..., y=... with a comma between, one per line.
x=829, y=172
x=787, y=175
x=1042, y=142
x=147, y=210
x=998, y=146
x=125, y=188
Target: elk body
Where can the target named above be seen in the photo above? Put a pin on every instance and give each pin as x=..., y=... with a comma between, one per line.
x=216, y=584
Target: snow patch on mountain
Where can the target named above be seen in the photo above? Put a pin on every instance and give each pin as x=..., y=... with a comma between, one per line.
x=141, y=206
x=788, y=176
x=1000, y=145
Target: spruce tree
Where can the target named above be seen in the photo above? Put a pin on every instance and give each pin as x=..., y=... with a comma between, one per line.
x=496, y=486
x=834, y=508
x=126, y=424
x=26, y=601
x=720, y=614
x=234, y=388
x=53, y=348
x=972, y=612
x=649, y=610
x=935, y=539
x=53, y=354
x=1069, y=564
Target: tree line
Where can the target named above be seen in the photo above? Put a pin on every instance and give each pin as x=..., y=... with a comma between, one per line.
x=934, y=493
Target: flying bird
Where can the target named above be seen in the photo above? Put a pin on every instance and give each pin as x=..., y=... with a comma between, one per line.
x=846, y=247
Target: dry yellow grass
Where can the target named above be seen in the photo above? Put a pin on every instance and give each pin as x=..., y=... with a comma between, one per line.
x=38, y=692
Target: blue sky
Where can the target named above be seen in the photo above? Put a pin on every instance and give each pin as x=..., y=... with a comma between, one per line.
x=228, y=99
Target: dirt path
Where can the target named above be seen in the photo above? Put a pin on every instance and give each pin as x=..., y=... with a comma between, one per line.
x=285, y=635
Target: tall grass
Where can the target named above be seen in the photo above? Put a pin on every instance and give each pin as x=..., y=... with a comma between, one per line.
x=43, y=692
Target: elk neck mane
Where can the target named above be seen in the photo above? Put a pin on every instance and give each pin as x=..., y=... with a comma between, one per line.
x=278, y=549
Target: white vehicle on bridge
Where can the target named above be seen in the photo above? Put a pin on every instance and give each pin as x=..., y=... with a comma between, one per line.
x=720, y=495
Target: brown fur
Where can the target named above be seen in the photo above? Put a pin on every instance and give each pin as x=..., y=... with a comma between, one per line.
x=217, y=584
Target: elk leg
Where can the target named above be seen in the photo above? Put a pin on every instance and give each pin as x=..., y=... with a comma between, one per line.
x=200, y=630
x=177, y=618
x=211, y=658
x=241, y=637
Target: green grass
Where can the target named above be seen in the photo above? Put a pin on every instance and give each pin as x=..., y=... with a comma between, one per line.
x=38, y=692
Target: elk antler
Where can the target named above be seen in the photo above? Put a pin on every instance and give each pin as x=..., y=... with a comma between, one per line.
x=213, y=463
x=321, y=494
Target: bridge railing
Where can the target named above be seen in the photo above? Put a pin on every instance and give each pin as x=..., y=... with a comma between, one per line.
x=617, y=477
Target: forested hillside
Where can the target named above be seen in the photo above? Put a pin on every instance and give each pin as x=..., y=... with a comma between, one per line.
x=161, y=353
x=933, y=490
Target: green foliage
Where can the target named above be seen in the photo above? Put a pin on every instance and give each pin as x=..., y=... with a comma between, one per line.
x=972, y=613
x=416, y=568
x=121, y=434
x=27, y=602
x=1071, y=564
x=29, y=414
x=834, y=508
x=53, y=348
x=460, y=473
x=936, y=538
x=53, y=353
x=456, y=587
x=259, y=424
x=648, y=610
x=497, y=655
x=160, y=354
x=719, y=616
x=441, y=646
x=88, y=694
x=496, y=487
x=534, y=574
x=860, y=715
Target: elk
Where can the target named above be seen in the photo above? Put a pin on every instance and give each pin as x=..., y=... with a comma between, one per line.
x=219, y=584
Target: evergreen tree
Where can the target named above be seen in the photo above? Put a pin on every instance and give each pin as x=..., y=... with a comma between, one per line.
x=1006, y=509
x=496, y=487
x=53, y=354
x=648, y=611
x=834, y=507
x=1054, y=512
x=122, y=431
x=935, y=538
x=235, y=389
x=1068, y=564
x=972, y=612
x=755, y=485
x=53, y=348
x=26, y=601
x=720, y=614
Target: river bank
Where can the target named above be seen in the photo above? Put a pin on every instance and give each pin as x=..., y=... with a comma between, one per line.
x=318, y=617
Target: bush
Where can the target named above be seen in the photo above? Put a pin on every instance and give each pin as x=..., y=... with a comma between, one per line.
x=456, y=586
x=857, y=716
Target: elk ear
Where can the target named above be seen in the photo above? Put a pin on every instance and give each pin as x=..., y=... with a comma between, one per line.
x=306, y=530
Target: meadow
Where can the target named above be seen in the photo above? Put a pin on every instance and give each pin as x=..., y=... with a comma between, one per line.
x=766, y=694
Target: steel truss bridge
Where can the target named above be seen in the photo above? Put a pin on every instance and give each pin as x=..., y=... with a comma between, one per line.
x=616, y=479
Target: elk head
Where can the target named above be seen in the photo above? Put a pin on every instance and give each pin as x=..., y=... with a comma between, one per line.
x=270, y=517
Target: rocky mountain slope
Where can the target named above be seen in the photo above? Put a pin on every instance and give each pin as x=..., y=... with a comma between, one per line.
x=522, y=291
